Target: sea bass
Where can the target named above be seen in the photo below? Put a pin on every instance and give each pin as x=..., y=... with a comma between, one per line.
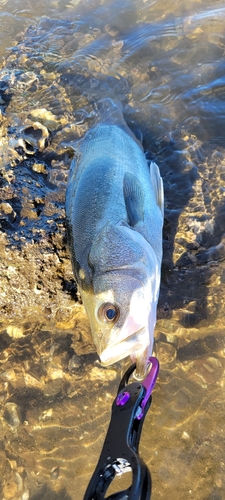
x=114, y=211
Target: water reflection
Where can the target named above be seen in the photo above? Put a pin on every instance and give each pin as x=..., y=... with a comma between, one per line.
x=165, y=62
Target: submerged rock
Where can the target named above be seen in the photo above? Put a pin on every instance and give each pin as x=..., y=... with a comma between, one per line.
x=50, y=121
x=12, y=414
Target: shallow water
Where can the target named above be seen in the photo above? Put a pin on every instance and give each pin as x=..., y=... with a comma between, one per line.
x=165, y=61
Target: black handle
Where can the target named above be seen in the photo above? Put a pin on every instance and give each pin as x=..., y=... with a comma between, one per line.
x=122, y=442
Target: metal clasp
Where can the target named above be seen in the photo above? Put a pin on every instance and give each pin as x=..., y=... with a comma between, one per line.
x=149, y=383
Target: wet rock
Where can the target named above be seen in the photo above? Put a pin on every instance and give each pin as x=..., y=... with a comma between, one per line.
x=35, y=135
x=40, y=168
x=47, y=118
x=7, y=211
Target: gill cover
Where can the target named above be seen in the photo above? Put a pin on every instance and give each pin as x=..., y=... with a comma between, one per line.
x=114, y=248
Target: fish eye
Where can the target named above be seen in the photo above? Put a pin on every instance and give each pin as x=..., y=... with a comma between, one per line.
x=108, y=312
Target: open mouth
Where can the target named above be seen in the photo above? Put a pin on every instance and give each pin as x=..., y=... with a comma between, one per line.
x=116, y=352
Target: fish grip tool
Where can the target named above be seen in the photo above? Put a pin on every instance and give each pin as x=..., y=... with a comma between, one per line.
x=120, y=450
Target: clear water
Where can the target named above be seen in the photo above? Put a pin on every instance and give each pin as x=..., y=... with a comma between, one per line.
x=165, y=61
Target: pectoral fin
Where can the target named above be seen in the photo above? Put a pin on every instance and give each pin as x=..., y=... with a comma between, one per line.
x=134, y=198
x=157, y=185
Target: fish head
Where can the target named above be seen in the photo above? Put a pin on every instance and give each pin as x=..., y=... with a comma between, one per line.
x=121, y=314
x=121, y=306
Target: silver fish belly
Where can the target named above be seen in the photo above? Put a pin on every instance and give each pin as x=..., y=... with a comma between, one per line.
x=114, y=210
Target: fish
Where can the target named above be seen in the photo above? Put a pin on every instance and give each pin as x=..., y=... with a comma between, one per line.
x=114, y=216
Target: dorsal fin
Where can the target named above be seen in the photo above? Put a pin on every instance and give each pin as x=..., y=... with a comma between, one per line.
x=157, y=185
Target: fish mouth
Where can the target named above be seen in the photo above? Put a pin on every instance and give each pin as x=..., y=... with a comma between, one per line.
x=121, y=350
